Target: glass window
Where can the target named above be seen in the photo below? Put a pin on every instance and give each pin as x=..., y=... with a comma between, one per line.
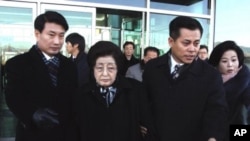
x=115, y=33
x=191, y=6
x=16, y=37
x=159, y=31
x=16, y=33
x=122, y=25
x=135, y=37
x=132, y=31
x=75, y=18
x=18, y=15
x=136, y=3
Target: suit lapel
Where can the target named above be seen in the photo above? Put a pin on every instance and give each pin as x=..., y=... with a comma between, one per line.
x=164, y=65
x=39, y=65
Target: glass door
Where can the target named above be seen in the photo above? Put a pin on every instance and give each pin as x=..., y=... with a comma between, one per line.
x=16, y=37
x=102, y=33
x=133, y=30
x=120, y=26
x=80, y=20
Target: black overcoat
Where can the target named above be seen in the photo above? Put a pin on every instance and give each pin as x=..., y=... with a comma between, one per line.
x=119, y=121
x=238, y=97
x=192, y=108
x=82, y=68
x=29, y=87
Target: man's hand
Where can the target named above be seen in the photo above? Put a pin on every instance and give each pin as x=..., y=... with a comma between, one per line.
x=211, y=139
x=226, y=77
x=45, y=119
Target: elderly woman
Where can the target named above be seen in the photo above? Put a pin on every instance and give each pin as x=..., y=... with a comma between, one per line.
x=228, y=58
x=110, y=107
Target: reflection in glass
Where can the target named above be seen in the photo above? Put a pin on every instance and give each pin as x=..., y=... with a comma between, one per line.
x=75, y=18
x=16, y=36
x=132, y=31
x=122, y=25
x=18, y=15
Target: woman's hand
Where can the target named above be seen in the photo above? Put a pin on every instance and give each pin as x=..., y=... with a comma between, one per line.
x=226, y=77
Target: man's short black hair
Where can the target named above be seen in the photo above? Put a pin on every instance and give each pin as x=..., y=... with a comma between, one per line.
x=204, y=46
x=127, y=43
x=183, y=22
x=50, y=17
x=75, y=38
x=150, y=48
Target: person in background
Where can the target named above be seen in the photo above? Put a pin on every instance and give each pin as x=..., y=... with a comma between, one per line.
x=203, y=52
x=186, y=94
x=75, y=45
x=228, y=58
x=41, y=84
x=136, y=70
x=128, y=58
x=110, y=107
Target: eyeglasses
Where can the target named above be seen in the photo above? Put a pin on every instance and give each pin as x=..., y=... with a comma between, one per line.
x=108, y=69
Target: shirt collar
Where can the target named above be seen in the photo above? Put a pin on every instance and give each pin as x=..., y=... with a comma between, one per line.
x=173, y=63
x=47, y=56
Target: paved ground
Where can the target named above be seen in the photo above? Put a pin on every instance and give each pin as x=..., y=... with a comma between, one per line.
x=7, y=139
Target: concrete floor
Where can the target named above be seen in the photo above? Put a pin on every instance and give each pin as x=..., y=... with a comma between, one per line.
x=7, y=139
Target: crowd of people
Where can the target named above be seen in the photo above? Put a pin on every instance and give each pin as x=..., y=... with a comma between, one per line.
x=110, y=95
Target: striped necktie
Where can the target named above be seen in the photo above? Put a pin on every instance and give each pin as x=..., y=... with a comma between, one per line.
x=175, y=74
x=53, y=65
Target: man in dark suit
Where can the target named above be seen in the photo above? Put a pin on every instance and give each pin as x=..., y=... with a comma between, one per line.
x=186, y=103
x=128, y=58
x=41, y=83
x=75, y=45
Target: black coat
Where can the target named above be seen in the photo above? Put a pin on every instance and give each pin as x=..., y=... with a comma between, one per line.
x=82, y=68
x=118, y=122
x=128, y=63
x=29, y=87
x=192, y=108
x=238, y=95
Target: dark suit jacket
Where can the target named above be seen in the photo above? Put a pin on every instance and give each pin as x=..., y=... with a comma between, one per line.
x=29, y=87
x=128, y=63
x=118, y=122
x=82, y=68
x=192, y=108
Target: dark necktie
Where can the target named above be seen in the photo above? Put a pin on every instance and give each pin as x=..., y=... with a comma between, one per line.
x=108, y=94
x=175, y=74
x=53, y=65
x=74, y=59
